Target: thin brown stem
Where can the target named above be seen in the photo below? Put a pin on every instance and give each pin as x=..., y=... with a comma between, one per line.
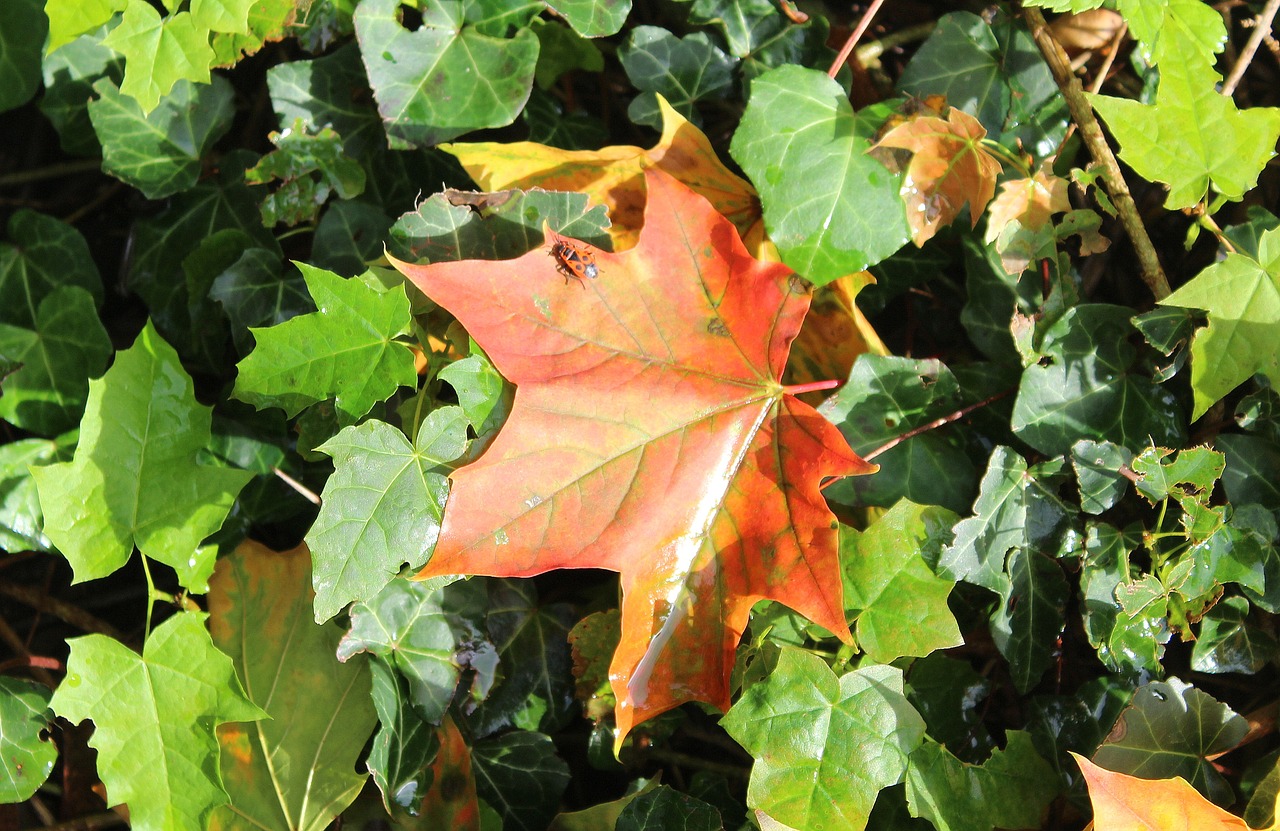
x=62, y=610
x=1151, y=271
x=93, y=822
x=935, y=424
x=847, y=49
x=306, y=492
x=1261, y=28
x=52, y=171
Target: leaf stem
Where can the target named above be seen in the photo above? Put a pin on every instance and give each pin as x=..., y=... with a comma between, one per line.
x=935, y=424
x=1261, y=26
x=812, y=386
x=302, y=489
x=868, y=53
x=60, y=609
x=1082, y=114
x=52, y=171
x=853, y=38
x=1006, y=155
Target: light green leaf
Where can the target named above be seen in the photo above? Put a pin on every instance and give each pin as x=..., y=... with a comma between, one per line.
x=231, y=16
x=346, y=350
x=1172, y=729
x=430, y=632
x=68, y=19
x=21, y=522
x=831, y=209
x=1012, y=789
x=484, y=397
x=682, y=70
x=1191, y=137
x=22, y=30
x=159, y=153
x=445, y=78
x=1242, y=298
x=824, y=746
x=382, y=507
x=68, y=346
x=272, y=20
x=899, y=604
x=1197, y=22
x=26, y=759
x=156, y=712
x=158, y=53
x=1072, y=6
x=43, y=254
x=135, y=478
x=296, y=769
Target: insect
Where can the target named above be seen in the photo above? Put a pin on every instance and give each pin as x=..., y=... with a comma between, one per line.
x=574, y=260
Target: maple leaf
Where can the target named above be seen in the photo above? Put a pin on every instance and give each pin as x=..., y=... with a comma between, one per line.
x=650, y=436
x=1128, y=803
x=1030, y=201
x=948, y=168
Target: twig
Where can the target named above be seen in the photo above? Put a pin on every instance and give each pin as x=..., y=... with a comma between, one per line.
x=935, y=424
x=853, y=38
x=673, y=757
x=92, y=822
x=869, y=52
x=53, y=171
x=1082, y=113
x=1261, y=28
x=62, y=610
x=306, y=492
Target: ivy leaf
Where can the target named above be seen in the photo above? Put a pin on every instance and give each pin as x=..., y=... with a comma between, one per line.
x=430, y=632
x=26, y=759
x=1012, y=789
x=1192, y=136
x=273, y=20
x=824, y=746
x=899, y=603
x=665, y=809
x=295, y=769
x=1172, y=729
x=21, y=522
x=1127, y=802
x=1228, y=642
x=158, y=53
x=43, y=254
x=593, y=18
x=683, y=70
x=136, y=477
x=520, y=775
x=160, y=152
x=589, y=471
x=326, y=92
x=405, y=745
x=1097, y=466
x=949, y=168
x=798, y=131
x=446, y=78
x=309, y=168
x=22, y=31
x=1029, y=618
x=158, y=710
x=69, y=76
x=382, y=507
x=346, y=350
x=1241, y=295
x=47, y=394
x=253, y=292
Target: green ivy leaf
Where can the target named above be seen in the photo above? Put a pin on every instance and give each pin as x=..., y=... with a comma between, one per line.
x=135, y=478
x=562, y=49
x=824, y=746
x=47, y=395
x=1097, y=466
x=831, y=209
x=1172, y=729
x=68, y=19
x=593, y=18
x=429, y=632
x=295, y=769
x=898, y=603
x=664, y=809
x=298, y=197
x=1012, y=789
x=446, y=78
x=346, y=350
x=520, y=775
x=682, y=70
x=382, y=507
x=1105, y=568
x=253, y=293
x=1191, y=136
x=22, y=31
x=328, y=92
x=1228, y=642
x=1141, y=629
x=21, y=522
x=156, y=712
x=274, y=20
x=160, y=152
x=405, y=745
x=1030, y=615
x=44, y=253
x=1242, y=298
x=1252, y=474
x=1086, y=385
x=947, y=693
x=158, y=53
x=26, y=759
x=69, y=76
x=349, y=237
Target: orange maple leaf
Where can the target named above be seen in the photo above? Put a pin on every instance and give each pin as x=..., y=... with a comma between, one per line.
x=1127, y=803
x=949, y=167
x=650, y=436
x=1030, y=201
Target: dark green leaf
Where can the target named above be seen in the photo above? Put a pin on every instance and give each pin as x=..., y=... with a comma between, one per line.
x=253, y=293
x=348, y=237
x=663, y=809
x=1105, y=568
x=1170, y=729
x=329, y=91
x=1229, y=642
x=1097, y=466
x=562, y=50
x=1012, y=789
x=26, y=758
x=1030, y=616
x=404, y=746
x=304, y=170
x=382, y=507
x=1065, y=724
x=831, y=209
x=43, y=254
x=521, y=776
x=682, y=70
x=69, y=76
x=23, y=26
x=1252, y=472
x=948, y=693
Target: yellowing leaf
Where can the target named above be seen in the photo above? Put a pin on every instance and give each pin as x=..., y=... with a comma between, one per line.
x=948, y=168
x=1030, y=201
x=1127, y=803
x=613, y=176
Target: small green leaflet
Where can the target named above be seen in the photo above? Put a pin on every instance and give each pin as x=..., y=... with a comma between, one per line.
x=158, y=53
x=382, y=507
x=135, y=478
x=824, y=746
x=1242, y=298
x=1011, y=789
x=156, y=712
x=26, y=760
x=346, y=350
x=308, y=168
x=1191, y=137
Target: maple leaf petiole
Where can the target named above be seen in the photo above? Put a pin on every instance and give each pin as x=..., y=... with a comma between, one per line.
x=812, y=386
